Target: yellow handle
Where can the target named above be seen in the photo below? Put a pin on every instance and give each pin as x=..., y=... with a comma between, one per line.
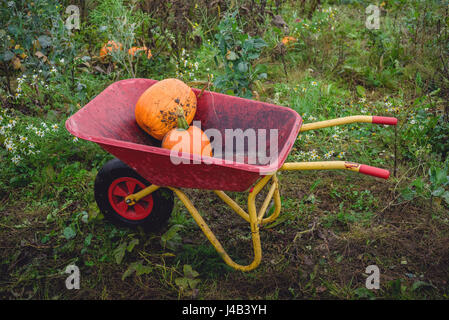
x=335, y=122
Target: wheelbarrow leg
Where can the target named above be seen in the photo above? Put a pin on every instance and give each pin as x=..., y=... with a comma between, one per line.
x=209, y=234
x=274, y=191
x=254, y=218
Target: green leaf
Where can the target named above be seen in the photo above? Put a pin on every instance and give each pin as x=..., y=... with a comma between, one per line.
x=193, y=283
x=45, y=238
x=445, y=196
x=84, y=217
x=137, y=267
x=364, y=293
x=69, y=233
x=171, y=238
x=438, y=192
x=119, y=253
x=141, y=269
x=182, y=283
x=44, y=41
x=418, y=184
x=360, y=91
x=261, y=68
x=189, y=272
x=242, y=67
x=438, y=176
x=259, y=43
x=253, y=55
x=132, y=244
x=8, y=55
x=129, y=271
x=88, y=240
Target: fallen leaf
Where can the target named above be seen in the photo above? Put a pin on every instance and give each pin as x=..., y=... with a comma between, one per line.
x=42, y=56
x=16, y=63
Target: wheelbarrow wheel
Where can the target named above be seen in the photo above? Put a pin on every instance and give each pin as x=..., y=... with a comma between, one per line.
x=114, y=182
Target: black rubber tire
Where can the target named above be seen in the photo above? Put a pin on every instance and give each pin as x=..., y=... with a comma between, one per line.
x=163, y=200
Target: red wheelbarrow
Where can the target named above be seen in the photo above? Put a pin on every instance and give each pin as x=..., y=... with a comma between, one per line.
x=136, y=188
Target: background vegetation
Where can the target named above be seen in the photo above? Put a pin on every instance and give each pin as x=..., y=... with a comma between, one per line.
x=333, y=224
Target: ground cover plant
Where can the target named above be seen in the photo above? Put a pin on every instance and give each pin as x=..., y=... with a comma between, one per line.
x=319, y=58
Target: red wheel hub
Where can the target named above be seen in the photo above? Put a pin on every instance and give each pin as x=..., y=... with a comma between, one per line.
x=123, y=187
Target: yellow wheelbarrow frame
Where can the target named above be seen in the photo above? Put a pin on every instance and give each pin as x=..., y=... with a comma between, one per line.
x=257, y=218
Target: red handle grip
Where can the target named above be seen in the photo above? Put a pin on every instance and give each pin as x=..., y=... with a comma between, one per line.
x=375, y=172
x=385, y=120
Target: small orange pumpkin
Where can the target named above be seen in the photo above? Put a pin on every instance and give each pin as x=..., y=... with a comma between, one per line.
x=135, y=50
x=288, y=41
x=187, y=139
x=157, y=108
x=109, y=47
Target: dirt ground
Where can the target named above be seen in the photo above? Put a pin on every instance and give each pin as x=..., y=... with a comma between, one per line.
x=303, y=258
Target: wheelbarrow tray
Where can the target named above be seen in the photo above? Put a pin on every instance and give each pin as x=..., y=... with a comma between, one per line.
x=109, y=120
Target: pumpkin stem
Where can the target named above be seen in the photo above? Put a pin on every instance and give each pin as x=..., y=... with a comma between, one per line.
x=182, y=122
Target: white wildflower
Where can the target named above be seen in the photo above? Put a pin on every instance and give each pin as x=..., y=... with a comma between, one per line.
x=40, y=133
x=16, y=159
x=329, y=154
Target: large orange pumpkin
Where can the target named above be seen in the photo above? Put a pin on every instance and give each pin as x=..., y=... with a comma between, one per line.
x=157, y=108
x=109, y=47
x=187, y=139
